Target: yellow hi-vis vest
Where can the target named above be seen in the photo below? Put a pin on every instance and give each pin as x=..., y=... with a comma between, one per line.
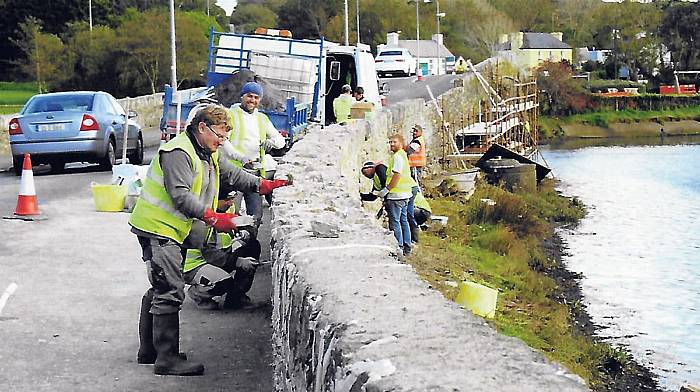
x=342, y=106
x=238, y=133
x=155, y=212
x=405, y=181
x=420, y=202
x=194, y=257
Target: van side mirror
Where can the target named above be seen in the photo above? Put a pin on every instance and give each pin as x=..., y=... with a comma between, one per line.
x=384, y=89
x=335, y=70
x=133, y=114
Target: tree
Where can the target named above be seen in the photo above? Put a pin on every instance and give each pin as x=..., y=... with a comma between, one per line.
x=48, y=60
x=97, y=55
x=679, y=33
x=564, y=96
x=145, y=44
x=247, y=17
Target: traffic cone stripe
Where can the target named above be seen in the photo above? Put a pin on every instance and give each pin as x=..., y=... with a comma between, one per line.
x=26, y=200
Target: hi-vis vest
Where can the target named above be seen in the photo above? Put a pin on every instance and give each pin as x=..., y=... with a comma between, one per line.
x=238, y=133
x=420, y=202
x=405, y=181
x=342, y=106
x=194, y=257
x=417, y=159
x=155, y=212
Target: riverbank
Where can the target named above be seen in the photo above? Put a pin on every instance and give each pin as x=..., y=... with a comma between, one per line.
x=540, y=301
x=622, y=124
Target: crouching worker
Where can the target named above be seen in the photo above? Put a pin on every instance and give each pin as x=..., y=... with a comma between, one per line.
x=179, y=192
x=224, y=267
x=422, y=210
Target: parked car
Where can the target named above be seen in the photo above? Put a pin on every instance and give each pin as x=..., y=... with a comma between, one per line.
x=84, y=126
x=393, y=61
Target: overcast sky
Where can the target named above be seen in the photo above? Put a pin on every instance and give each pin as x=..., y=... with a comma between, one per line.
x=227, y=5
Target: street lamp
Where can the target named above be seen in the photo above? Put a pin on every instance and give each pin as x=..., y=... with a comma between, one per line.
x=438, y=15
x=90, y=13
x=418, y=35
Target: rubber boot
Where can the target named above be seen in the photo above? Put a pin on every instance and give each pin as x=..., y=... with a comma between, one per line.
x=166, y=339
x=147, y=353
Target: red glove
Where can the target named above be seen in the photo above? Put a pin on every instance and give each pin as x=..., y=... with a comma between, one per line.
x=267, y=186
x=220, y=221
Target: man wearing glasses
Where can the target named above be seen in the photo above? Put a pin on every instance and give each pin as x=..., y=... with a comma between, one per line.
x=176, y=211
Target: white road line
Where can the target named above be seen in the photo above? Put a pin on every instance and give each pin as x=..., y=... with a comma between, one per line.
x=6, y=295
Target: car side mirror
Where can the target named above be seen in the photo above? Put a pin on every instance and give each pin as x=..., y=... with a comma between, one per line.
x=133, y=114
x=335, y=70
x=384, y=89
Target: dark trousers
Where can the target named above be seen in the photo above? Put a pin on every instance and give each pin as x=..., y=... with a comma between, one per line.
x=164, y=259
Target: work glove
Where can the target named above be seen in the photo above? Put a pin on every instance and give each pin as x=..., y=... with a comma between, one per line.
x=383, y=192
x=267, y=186
x=247, y=264
x=221, y=221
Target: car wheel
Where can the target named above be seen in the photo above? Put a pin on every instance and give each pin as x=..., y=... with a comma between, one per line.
x=110, y=158
x=58, y=166
x=17, y=165
x=136, y=157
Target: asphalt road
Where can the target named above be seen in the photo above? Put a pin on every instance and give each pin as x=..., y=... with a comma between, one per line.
x=71, y=324
x=403, y=88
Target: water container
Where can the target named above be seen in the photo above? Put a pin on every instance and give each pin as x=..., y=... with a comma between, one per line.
x=513, y=174
x=109, y=198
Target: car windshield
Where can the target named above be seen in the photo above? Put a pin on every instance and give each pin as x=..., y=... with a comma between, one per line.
x=58, y=103
x=391, y=53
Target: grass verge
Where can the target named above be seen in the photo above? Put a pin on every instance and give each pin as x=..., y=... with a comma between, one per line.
x=551, y=127
x=508, y=246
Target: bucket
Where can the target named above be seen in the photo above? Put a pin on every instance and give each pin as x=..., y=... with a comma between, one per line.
x=109, y=198
x=481, y=300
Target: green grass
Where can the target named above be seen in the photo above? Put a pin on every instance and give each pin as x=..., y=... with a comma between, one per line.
x=10, y=109
x=16, y=93
x=551, y=126
x=501, y=246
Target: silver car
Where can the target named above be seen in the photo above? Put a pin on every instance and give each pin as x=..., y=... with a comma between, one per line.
x=82, y=126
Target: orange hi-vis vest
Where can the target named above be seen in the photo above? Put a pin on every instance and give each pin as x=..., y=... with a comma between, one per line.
x=417, y=159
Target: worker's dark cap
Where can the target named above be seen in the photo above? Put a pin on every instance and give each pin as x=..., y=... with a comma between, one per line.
x=368, y=165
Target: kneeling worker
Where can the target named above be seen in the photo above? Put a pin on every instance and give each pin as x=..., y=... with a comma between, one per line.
x=225, y=266
x=422, y=210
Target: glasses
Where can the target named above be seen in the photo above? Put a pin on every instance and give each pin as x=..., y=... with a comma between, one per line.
x=221, y=137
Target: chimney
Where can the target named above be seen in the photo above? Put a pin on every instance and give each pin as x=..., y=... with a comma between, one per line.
x=558, y=35
x=437, y=38
x=392, y=39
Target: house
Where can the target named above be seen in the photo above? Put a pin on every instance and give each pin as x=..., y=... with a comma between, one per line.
x=434, y=58
x=528, y=50
x=586, y=54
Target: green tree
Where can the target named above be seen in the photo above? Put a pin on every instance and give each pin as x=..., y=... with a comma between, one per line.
x=48, y=60
x=562, y=95
x=247, y=17
x=680, y=34
x=97, y=55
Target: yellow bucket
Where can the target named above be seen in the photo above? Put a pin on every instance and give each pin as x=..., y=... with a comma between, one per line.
x=481, y=300
x=109, y=198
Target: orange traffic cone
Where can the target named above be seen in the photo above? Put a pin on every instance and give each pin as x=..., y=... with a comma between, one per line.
x=26, y=201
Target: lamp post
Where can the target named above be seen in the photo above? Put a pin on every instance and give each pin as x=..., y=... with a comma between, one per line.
x=90, y=13
x=418, y=69
x=357, y=15
x=438, y=15
x=347, y=38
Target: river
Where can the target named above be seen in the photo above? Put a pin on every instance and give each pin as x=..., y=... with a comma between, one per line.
x=638, y=248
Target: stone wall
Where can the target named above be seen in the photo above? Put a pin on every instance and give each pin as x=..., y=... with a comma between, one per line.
x=347, y=314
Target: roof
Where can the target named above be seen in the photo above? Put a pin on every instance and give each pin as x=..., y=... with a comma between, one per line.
x=542, y=41
x=428, y=48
